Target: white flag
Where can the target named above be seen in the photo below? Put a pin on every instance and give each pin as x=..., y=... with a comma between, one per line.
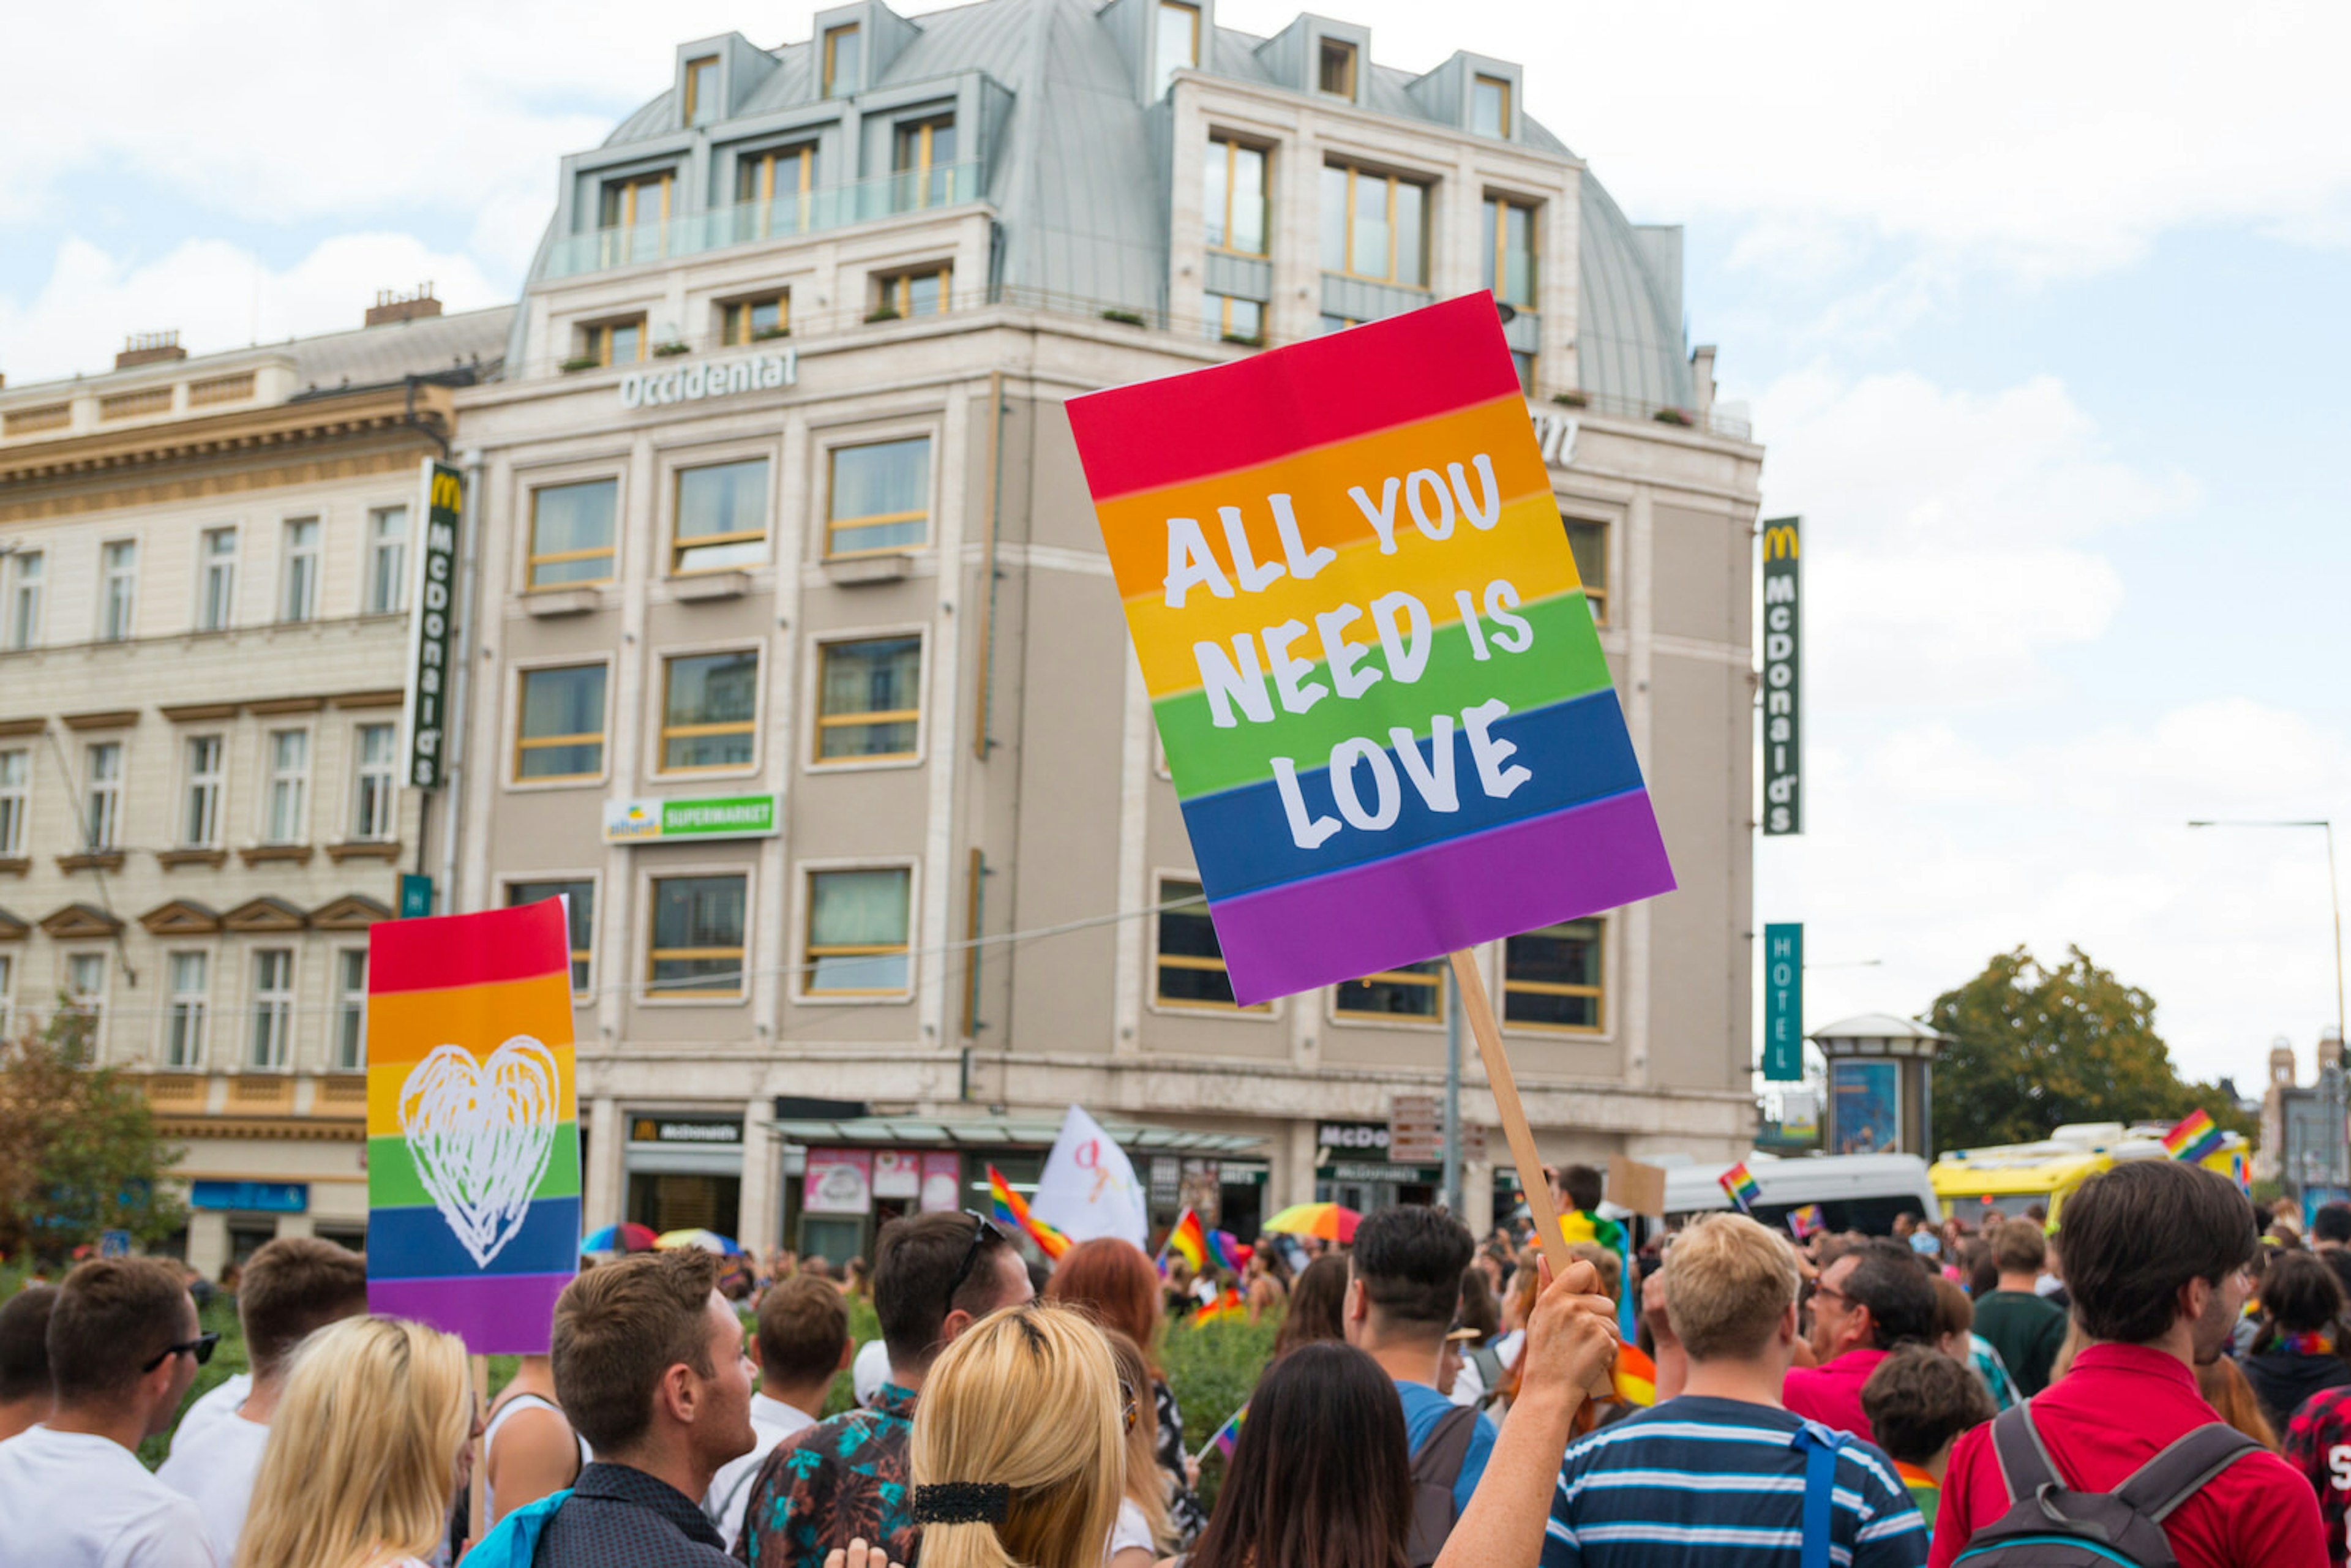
x=1089, y=1188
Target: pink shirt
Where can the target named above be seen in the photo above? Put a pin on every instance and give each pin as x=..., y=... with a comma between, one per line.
x=1831, y=1394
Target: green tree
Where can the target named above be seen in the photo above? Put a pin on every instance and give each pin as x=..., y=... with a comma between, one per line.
x=2038, y=1045
x=78, y=1151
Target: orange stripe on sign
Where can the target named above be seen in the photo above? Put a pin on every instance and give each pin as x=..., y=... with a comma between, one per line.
x=386, y=1079
x=1317, y=480
x=405, y=1026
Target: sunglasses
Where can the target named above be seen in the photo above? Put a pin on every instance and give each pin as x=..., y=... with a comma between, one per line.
x=201, y=1348
x=982, y=1227
x=1129, y=1411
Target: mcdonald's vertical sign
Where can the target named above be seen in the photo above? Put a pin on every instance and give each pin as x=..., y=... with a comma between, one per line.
x=1783, y=743
x=432, y=612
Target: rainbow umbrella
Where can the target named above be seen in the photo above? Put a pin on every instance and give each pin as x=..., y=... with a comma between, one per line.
x=1331, y=1221
x=630, y=1237
x=708, y=1240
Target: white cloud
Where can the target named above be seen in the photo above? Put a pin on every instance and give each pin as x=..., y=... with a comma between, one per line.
x=219, y=295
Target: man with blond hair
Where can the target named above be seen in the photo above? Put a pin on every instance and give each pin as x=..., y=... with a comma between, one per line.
x=1724, y=1474
x=2025, y=1327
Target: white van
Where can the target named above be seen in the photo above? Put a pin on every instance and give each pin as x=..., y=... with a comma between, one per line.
x=1855, y=1192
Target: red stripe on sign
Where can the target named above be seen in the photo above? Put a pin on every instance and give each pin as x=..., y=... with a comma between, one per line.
x=1351, y=384
x=442, y=951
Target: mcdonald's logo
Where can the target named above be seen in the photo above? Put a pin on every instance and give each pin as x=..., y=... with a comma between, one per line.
x=1779, y=542
x=447, y=495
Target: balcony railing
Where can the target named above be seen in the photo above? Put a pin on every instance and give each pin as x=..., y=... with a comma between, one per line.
x=832, y=207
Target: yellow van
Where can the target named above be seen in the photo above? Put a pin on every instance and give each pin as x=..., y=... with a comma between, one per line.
x=2011, y=1177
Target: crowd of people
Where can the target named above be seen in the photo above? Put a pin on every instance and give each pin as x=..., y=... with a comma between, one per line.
x=2162, y=1375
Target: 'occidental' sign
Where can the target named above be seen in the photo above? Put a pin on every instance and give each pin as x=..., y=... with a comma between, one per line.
x=644, y=388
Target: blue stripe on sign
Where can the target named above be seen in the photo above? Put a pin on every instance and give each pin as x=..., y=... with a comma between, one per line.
x=417, y=1244
x=1577, y=751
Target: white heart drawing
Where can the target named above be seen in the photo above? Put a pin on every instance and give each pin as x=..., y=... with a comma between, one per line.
x=481, y=1133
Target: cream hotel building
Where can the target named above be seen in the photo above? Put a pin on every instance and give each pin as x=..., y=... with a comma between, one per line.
x=794, y=659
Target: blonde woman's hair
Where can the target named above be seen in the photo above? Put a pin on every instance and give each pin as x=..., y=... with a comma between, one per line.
x=1145, y=1486
x=1728, y=1282
x=361, y=1461
x=1025, y=1399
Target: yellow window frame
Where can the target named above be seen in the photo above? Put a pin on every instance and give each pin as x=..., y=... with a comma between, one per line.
x=833, y=36
x=629, y=189
x=1599, y=995
x=536, y=558
x=1200, y=963
x=1233, y=149
x=694, y=69
x=750, y=726
x=600, y=339
x=876, y=520
x=661, y=992
x=755, y=180
x=539, y=742
x=1355, y=179
x=1503, y=206
x=1194, y=12
x=1503, y=83
x=825, y=721
x=1594, y=596
x=897, y=289
x=678, y=546
x=735, y=318
x=1394, y=977
x=814, y=950
x=1323, y=55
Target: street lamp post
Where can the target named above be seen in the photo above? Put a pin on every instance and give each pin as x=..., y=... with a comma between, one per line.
x=2330, y=1076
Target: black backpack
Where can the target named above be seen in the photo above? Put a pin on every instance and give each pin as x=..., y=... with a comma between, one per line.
x=2049, y=1525
x=1433, y=1470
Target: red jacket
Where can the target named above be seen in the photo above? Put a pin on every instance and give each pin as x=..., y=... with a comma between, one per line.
x=2117, y=1408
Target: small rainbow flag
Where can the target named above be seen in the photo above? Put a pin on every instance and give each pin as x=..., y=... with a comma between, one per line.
x=1010, y=1209
x=1805, y=1221
x=2195, y=1137
x=1187, y=1240
x=1226, y=1437
x=1226, y=1248
x=1226, y=1308
x=1741, y=1186
x=2240, y=1170
x=1634, y=1376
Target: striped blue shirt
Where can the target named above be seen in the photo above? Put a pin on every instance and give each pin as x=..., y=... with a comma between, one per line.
x=1717, y=1482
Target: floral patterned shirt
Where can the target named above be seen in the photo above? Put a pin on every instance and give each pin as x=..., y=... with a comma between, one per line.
x=840, y=1479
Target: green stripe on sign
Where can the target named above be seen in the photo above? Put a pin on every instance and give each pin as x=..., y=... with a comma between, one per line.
x=393, y=1182
x=1564, y=661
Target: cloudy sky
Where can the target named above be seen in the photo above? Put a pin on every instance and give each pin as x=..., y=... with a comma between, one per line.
x=2039, y=310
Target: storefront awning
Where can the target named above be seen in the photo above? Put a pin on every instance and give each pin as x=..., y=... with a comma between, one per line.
x=1001, y=1132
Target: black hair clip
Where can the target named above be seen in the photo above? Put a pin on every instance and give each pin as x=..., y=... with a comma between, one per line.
x=962, y=1502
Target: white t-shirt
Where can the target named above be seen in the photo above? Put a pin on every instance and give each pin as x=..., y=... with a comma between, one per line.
x=73, y=1500
x=217, y=1470
x=225, y=1400
x=1132, y=1530
x=1470, y=1383
x=772, y=1421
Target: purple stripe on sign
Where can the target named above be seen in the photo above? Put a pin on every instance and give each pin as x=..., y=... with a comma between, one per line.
x=494, y=1314
x=1319, y=931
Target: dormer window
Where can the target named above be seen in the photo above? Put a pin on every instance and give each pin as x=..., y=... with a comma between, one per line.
x=639, y=199
x=922, y=154
x=841, y=59
x=1490, y=107
x=1177, y=47
x=702, y=90
x=1335, y=70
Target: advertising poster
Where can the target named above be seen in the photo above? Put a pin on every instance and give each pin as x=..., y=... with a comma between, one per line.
x=897, y=1172
x=839, y=1181
x=942, y=1179
x=1865, y=1105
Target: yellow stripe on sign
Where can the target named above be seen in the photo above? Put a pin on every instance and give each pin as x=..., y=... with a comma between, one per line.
x=405, y=1026
x=1527, y=549
x=385, y=1079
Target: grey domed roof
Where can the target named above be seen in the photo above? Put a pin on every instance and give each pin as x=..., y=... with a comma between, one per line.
x=1629, y=339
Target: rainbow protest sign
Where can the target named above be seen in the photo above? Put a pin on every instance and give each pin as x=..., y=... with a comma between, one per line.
x=1384, y=706
x=472, y=1135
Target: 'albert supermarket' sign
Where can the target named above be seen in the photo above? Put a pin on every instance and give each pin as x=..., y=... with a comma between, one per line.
x=647, y=389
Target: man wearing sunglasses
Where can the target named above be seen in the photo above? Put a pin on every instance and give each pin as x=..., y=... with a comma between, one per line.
x=124, y=1346
x=935, y=1275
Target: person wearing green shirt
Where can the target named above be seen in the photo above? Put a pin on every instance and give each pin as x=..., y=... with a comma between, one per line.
x=2027, y=1329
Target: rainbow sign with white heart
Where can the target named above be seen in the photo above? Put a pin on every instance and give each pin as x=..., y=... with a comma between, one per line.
x=472, y=1130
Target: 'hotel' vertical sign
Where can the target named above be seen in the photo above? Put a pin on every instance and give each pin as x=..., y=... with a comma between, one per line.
x=432, y=610
x=1784, y=753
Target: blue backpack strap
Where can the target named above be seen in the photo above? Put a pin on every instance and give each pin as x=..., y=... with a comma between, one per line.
x=513, y=1542
x=1820, y=1446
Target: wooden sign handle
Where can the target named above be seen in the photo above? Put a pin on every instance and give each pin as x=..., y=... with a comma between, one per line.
x=479, y=1526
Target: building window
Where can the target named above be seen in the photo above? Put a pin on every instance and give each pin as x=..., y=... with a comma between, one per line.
x=1329, y=323
x=561, y=732
x=118, y=589
x=1233, y=197
x=702, y=90
x=1509, y=230
x=697, y=946
x=1522, y=365
x=289, y=786
x=923, y=155
x=25, y=574
x=869, y=699
x=375, y=799
x=183, y=1035
x=299, y=602
x=86, y=994
x=1414, y=991
x=722, y=516
x=1335, y=70
x=387, y=562
x=1178, y=43
x=1550, y=979
x=351, y=1010
x=216, y=593
x=571, y=533
x=16, y=799
x=614, y=342
x=1375, y=227
x=1588, y=542
x=639, y=199
x=857, y=933
x=200, y=821
x=924, y=291
x=843, y=52
x=272, y=1007
x=1232, y=320
x=743, y=322
x=1191, y=965
x=579, y=910
x=879, y=497
x=102, y=802
x=709, y=711
x=1490, y=107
